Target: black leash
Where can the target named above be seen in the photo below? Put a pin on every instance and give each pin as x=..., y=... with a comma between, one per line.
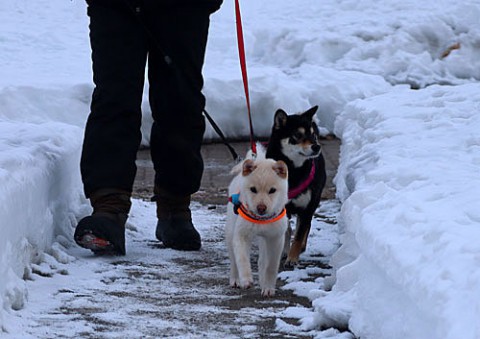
x=168, y=60
x=136, y=11
x=221, y=135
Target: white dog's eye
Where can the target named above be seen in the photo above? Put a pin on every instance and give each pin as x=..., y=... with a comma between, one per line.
x=272, y=190
x=253, y=189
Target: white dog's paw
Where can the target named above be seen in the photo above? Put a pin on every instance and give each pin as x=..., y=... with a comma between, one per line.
x=234, y=283
x=268, y=292
x=246, y=283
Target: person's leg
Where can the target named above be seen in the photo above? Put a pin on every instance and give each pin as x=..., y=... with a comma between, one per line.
x=112, y=133
x=176, y=99
x=177, y=104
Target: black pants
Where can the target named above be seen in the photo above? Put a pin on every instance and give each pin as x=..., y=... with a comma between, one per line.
x=123, y=36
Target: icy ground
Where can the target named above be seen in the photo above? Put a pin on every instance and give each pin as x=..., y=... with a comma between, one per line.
x=158, y=292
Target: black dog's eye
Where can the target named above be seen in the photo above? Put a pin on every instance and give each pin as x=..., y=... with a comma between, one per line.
x=298, y=135
x=296, y=138
x=272, y=190
x=253, y=189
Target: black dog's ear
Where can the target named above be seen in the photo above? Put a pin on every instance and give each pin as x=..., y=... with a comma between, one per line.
x=311, y=112
x=280, y=119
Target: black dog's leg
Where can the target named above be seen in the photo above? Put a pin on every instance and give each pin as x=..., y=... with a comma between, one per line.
x=299, y=244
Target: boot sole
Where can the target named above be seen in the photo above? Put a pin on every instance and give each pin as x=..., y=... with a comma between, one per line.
x=97, y=245
x=181, y=247
x=178, y=245
x=101, y=235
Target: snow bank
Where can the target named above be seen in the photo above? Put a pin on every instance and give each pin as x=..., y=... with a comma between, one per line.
x=41, y=130
x=44, y=42
x=42, y=112
x=409, y=180
x=328, y=53
x=41, y=195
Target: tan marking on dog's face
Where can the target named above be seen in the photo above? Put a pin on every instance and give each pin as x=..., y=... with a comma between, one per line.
x=298, y=153
x=306, y=144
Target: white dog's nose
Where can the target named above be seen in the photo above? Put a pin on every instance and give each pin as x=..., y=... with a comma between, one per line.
x=261, y=209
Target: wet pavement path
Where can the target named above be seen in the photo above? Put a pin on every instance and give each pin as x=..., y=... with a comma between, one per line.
x=218, y=163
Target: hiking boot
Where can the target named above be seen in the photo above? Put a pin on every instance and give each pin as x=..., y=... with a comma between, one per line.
x=175, y=228
x=103, y=232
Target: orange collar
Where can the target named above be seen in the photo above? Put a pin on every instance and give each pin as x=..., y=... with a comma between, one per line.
x=242, y=211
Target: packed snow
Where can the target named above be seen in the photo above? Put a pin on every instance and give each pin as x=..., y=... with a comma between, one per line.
x=397, y=82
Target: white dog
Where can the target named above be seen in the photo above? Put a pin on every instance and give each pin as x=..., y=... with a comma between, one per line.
x=258, y=194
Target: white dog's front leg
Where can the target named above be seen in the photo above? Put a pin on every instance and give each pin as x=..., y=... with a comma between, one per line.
x=229, y=232
x=234, y=278
x=242, y=242
x=262, y=260
x=269, y=268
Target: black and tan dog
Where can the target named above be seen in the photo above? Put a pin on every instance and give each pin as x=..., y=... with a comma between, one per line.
x=294, y=140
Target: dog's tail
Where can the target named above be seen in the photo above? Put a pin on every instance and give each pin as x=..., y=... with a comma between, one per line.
x=260, y=155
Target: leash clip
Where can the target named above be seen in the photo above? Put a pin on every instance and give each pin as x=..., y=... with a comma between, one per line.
x=235, y=200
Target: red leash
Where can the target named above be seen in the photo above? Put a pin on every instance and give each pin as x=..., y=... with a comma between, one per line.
x=243, y=66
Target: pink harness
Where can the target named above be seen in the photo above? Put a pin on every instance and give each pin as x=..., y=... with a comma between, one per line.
x=294, y=192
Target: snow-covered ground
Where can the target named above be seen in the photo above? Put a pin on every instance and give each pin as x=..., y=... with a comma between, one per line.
x=408, y=176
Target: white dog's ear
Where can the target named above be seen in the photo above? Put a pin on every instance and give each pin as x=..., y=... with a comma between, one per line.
x=280, y=119
x=281, y=169
x=248, y=167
